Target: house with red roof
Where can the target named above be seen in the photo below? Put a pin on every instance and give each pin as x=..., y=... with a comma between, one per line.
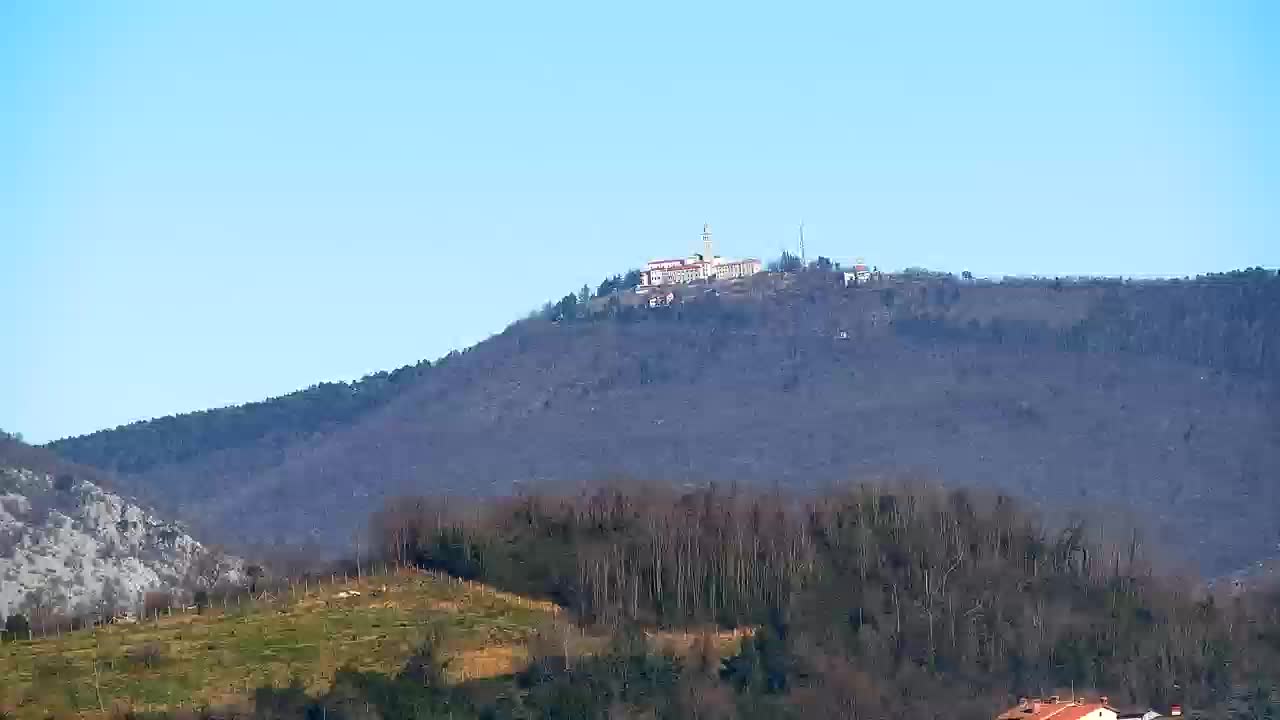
x=1056, y=708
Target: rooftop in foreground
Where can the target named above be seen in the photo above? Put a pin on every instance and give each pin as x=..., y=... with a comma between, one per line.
x=1057, y=709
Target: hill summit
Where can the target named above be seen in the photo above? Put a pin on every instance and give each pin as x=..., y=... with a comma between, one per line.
x=1082, y=395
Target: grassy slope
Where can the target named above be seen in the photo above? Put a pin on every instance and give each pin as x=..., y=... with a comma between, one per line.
x=220, y=657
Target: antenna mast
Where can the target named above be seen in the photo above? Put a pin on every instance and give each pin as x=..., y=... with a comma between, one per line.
x=803, y=262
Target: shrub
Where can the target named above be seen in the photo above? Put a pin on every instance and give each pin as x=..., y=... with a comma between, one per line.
x=148, y=655
x=9, y=541
x=17, y=626
x=156, y=602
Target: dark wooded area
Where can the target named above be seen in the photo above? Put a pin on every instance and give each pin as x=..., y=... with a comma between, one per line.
x=872, y=601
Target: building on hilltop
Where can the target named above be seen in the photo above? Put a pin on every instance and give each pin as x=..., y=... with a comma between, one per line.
x=859, y=275
x=702, y=266
x=660, y=300
x=733, y=269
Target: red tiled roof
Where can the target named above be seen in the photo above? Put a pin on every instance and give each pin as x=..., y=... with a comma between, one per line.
x=1066, y=710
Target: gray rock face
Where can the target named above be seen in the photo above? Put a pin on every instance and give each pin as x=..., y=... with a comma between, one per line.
x=67, y=545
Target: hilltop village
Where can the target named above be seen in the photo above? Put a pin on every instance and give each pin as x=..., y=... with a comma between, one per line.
x=671, y=280
x=701, y=266
x=658, y=279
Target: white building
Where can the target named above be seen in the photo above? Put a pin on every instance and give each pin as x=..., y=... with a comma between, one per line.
x=731, y=269
x=660, y=300
x=686, y=272
x=704, y=266
x=860, y=275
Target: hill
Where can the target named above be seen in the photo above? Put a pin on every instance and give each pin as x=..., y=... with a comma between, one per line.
x=299, y=635
x=265, y=653
x=1158, y=397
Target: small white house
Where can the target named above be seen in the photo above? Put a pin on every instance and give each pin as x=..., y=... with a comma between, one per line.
x=660, y=300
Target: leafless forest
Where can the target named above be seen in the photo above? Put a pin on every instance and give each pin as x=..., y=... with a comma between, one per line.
x=871, y=601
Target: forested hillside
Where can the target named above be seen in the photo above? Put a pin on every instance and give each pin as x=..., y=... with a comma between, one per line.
x=1154, y=399
x=273, y=423
x=872, y=601
x=1229, y=322
x=859, y=602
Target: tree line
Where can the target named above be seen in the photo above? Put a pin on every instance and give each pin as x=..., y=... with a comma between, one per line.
x=172, y=439
x=1229, y=322
x=898, y=600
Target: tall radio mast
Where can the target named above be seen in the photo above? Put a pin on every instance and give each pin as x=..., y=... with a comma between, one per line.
x=803, y=262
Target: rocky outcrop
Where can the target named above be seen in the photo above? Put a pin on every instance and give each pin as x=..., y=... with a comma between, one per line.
x=68, y=545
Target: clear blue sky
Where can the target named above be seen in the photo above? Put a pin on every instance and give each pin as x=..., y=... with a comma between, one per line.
x=210, y=203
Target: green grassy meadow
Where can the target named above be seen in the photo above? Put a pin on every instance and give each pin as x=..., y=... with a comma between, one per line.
x=220, y=656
